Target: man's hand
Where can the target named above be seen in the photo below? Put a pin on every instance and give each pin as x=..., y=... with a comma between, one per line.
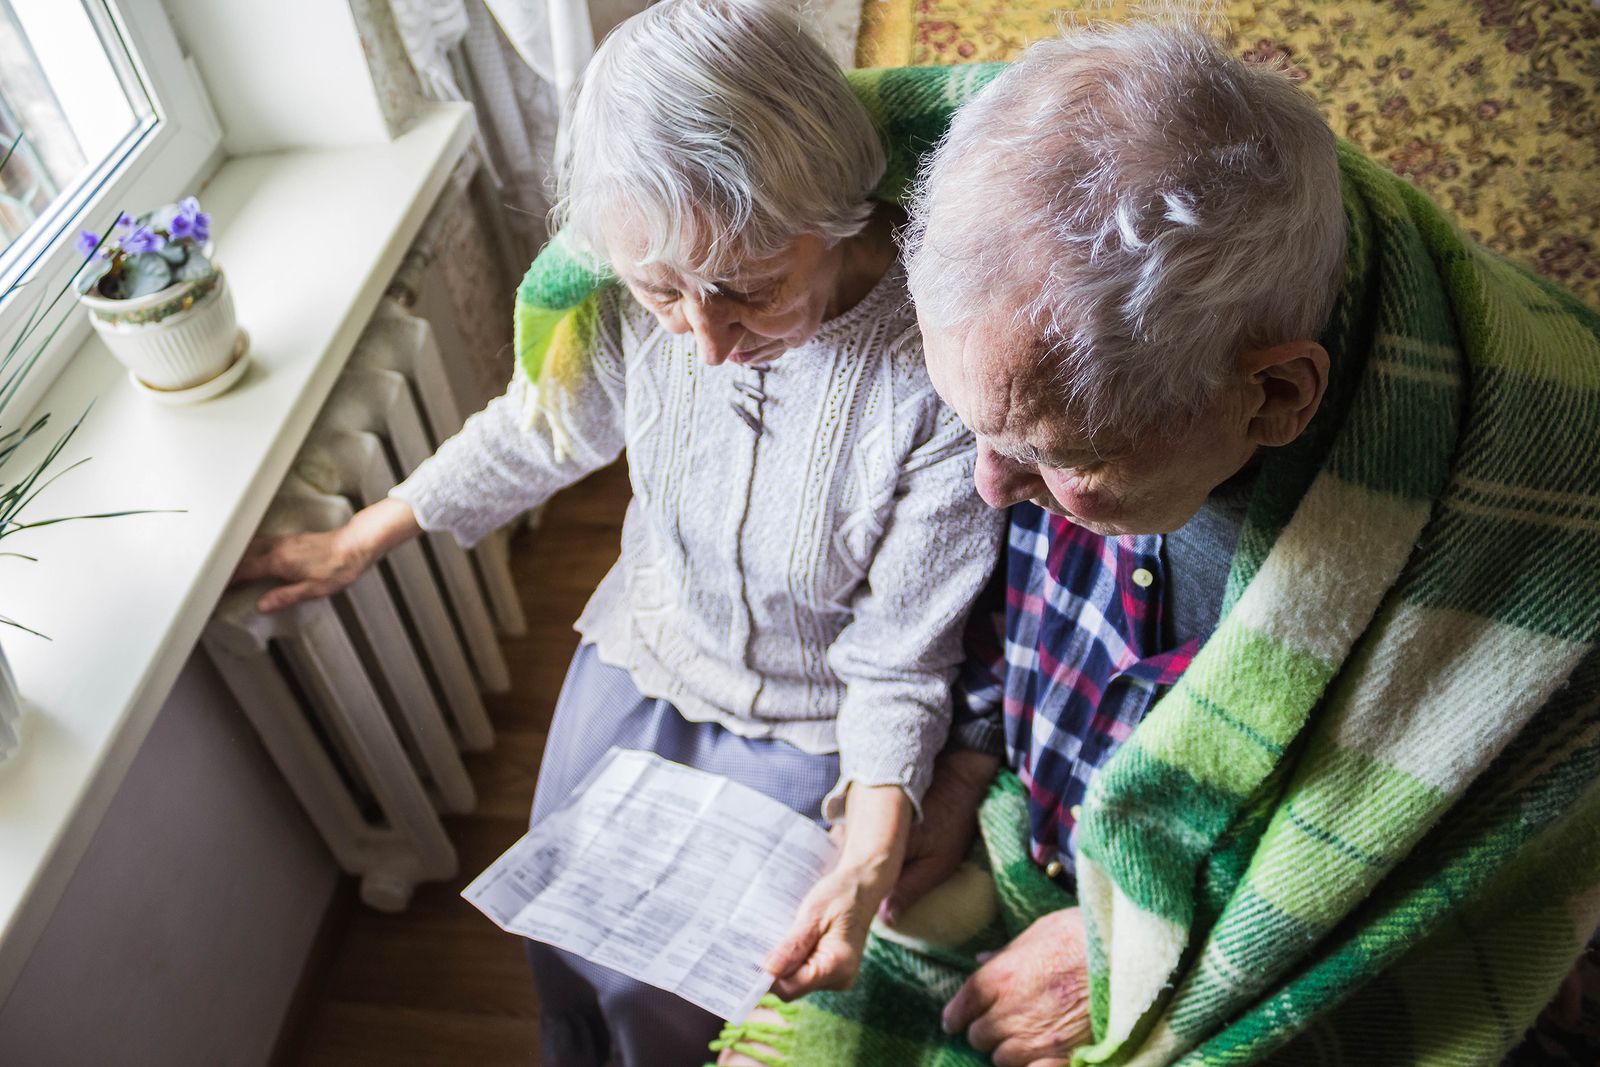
x=1028, y=1004
x=824, y=946
x=942, y=839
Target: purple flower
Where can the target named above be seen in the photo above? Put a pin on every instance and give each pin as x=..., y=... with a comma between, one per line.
x=86, y=243
x=124, y=222
x=190, y=222
x=142, y=239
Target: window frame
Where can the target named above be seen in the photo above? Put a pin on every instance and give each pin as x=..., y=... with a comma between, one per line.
x=160, y=164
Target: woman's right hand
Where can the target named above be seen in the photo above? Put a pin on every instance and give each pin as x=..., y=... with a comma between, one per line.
x=314, y=565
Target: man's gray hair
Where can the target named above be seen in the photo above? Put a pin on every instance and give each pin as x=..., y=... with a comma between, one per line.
x=1144, y=203
x=717, y=131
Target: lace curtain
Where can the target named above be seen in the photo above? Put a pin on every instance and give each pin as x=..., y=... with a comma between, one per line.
x=516, y=60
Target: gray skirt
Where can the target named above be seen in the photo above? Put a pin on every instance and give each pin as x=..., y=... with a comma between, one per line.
x=590, y=1016
x=599, y=708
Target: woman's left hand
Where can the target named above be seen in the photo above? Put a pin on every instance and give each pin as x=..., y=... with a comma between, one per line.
x=829, y=933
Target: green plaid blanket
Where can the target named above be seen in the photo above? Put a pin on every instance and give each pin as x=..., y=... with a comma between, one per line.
x=891, y=1015
x=1364, y=828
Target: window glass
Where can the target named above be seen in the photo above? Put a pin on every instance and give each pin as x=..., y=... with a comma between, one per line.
x=72, y=105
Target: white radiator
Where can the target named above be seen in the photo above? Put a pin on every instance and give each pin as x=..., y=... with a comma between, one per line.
x=382, y=402
x=330, y=687
x=402, y=342
x=366, y=699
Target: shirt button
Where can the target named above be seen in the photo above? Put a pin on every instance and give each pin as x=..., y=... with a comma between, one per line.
x=1053, y=869
x=1076, y=811
x=1142, y=578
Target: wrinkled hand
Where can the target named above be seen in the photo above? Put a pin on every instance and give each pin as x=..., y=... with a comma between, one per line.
x=824, y=946
x=312, y=565
x=1028, y=1004
x=829, y=933
x=309, y=564
x=940, y=842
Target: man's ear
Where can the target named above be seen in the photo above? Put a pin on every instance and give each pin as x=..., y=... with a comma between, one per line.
x=1292, y=378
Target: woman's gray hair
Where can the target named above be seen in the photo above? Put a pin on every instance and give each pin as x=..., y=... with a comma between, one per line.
x=1147, y=205
x=717, y=131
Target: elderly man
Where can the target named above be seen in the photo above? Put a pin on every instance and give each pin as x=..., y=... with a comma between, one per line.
x=1297, y=674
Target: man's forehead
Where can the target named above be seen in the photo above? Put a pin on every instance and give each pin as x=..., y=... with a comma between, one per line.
x=1008, y=383
x=1017, y=402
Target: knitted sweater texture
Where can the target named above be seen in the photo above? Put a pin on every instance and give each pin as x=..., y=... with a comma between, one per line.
x=803, y=543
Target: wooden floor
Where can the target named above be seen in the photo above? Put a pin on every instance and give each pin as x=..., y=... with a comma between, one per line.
x=440, y=985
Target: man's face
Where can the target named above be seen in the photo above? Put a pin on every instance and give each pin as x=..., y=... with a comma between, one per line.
x=1029, y=450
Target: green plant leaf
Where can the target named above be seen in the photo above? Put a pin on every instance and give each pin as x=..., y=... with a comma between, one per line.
x=144, y=274
x=91, y=273
x=22, y=501
x=196, y=268
x=161, y=217
x=4, y=621
x=19, y=527
x=41, y=312
x=15, y=498
x=14, y=440
x=19, y=496
x=10, y=149
x=11, y=376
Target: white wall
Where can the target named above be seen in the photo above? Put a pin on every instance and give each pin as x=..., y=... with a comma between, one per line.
x=183, y=932
x=185, y=928
x=282, y=74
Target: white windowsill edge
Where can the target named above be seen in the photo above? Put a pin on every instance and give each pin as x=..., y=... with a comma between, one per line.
x=309, y=241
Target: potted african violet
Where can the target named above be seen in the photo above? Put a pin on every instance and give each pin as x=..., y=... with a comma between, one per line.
x=161, y=304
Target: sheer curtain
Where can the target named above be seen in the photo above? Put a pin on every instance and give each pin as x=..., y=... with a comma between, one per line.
x=519, y=113
x=516, y=61
x=554, y=37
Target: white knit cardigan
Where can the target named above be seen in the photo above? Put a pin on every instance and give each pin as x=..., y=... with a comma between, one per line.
x=803, y=544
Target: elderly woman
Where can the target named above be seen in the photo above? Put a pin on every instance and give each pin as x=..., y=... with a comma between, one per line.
x=1301, y=642
x=804, y=540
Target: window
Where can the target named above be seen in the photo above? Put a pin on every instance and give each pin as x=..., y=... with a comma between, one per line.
x=105, y=114
x=70, y=103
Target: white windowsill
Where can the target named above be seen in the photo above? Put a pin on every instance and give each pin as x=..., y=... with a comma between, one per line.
x=309, y=240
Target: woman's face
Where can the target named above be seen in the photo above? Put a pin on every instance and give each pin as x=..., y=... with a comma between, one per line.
x=764, y=309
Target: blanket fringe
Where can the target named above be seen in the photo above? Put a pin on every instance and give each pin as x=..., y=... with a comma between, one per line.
x=769, y=1043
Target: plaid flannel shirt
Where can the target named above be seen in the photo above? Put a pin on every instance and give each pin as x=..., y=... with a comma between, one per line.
x=1069, y=665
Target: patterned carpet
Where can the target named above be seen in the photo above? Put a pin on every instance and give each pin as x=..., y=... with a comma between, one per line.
x=1492, y=106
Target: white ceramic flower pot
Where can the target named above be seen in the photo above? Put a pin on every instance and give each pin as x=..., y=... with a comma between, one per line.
x=10, y=709
x=178, y=338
